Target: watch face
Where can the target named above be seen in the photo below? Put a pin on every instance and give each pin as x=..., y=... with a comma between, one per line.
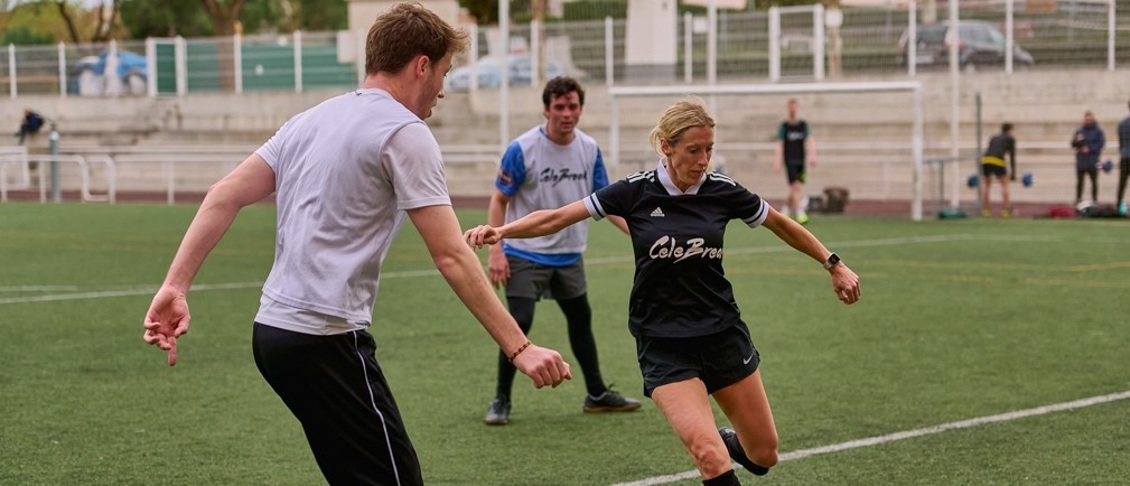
x=833, y=259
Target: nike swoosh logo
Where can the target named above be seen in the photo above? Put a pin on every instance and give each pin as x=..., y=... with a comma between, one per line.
x=747, y=360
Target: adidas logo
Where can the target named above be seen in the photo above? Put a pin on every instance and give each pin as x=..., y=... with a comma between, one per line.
x=658, y=213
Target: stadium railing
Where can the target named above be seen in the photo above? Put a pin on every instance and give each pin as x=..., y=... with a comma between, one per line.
x=45, y=164
x=754, y=45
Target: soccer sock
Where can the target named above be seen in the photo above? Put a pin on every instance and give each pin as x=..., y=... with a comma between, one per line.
x=726, y=479
x=734, y=448
x=578, y=315
x=756, y=469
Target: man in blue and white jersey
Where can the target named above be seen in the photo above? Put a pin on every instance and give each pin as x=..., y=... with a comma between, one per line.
x=346, y=174
x=547, y=167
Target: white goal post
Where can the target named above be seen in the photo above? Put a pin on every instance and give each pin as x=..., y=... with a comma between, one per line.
x=914, y=87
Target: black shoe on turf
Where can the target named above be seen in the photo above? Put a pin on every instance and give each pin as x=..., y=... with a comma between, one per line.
x=610, y=401
x=734, y=448
x=499, y=412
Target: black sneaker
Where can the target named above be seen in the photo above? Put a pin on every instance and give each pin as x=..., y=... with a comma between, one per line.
x=734, y=448
x=610, y=401
x=499, y=412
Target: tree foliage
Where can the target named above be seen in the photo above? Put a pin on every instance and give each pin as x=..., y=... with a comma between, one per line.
x=35, y=22
x=485, y=12
x=196, y=18
x=24, y=35
x=165, y=18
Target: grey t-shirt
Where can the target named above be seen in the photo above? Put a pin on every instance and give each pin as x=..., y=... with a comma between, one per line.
x=346, y=170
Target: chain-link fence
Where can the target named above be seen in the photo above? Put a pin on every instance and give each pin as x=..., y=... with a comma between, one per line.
x=743, y=46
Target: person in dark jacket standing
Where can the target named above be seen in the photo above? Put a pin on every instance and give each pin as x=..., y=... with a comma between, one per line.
x=993, y=166
x=1124, y=163
x=1088, y=143
x=29, y=125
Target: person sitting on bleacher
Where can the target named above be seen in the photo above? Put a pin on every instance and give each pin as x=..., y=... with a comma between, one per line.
x=30, y=125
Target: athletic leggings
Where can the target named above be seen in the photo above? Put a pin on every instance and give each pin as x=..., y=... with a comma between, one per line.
x=1123, y=175
x=578, y=315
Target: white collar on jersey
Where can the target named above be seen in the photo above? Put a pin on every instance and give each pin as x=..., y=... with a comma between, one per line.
x=665, y=179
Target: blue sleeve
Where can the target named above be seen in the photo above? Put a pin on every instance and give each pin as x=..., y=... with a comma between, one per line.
x=1100, y=142
x=512, y=172
x=599, y=174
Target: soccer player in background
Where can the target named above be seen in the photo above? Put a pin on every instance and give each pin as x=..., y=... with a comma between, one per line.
x=342, y=195
x=993, y=166
x=1124, y=162
x=690, y=337
x=549, y=166
x=796, y=150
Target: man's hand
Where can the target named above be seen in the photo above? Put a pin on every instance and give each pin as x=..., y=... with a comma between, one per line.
x=167, y=320
x=543, y=365
x=481, y=235
x=499, y=267
x=846, y=283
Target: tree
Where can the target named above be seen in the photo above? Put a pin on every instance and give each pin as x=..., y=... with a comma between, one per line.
x=321, y=14
x=224, y=15
x=485, y=12
x=105, y=14
x=165, y=18
x=32, y=23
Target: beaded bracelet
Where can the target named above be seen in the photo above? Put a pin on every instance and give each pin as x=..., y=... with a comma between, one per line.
x=519, y=351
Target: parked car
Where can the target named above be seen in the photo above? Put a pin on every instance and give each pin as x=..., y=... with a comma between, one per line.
x=980, y=45
x=489, y=74
x=88, y=74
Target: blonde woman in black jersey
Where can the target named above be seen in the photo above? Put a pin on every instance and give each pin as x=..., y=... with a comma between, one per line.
x=691, y=341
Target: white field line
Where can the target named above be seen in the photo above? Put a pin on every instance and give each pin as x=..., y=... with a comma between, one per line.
x=882, y=439
x=39, y=288
x=145, y=290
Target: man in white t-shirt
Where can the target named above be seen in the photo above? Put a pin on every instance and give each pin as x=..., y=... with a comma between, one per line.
x=342, y=195
x=548, y=167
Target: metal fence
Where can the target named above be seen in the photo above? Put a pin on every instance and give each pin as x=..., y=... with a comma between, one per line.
x=795, y=43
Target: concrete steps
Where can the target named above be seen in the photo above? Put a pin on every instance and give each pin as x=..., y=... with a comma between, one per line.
x=863, y=139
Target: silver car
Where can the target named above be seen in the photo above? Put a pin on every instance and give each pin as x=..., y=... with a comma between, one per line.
x=980, y=45
x=488, y=73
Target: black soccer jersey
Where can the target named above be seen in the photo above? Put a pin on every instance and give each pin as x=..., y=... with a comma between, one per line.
x=680, y=287
x=793, y=136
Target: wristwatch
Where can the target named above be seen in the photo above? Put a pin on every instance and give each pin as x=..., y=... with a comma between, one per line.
x=832, y=261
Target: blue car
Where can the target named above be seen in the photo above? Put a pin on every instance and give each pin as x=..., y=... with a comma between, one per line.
x=88, y=74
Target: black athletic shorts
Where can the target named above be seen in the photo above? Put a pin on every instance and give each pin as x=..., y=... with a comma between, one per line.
x=529, y=280
x=993, y=170
x=335, y=388
x=795, y=172
x=719, y=360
